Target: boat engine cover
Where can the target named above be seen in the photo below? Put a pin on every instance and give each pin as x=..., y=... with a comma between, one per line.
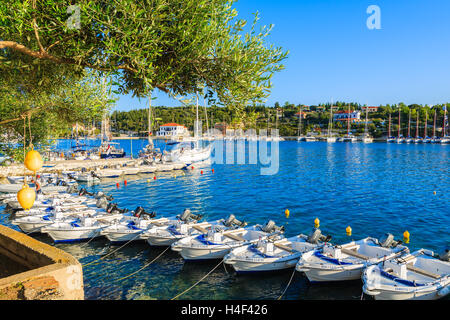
x=445, y=255
x=387, y=240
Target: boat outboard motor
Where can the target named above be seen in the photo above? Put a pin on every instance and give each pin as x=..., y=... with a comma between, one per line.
x=102, y=203
x=231, y=220
x=271, y=227
x=70, y=176
x=445, y=255
x=72, y=188
x=387, y=241
x=140, y=212
x=188, y=215
x=316, y=235
x=94, y=175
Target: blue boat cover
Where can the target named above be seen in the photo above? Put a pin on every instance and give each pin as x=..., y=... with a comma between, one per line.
x=332, y=260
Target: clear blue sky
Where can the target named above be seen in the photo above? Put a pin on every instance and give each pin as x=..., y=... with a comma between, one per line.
x=333, y=55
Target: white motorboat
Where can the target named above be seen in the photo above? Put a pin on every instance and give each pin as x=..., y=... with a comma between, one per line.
x=82, y=229
x=417, y=276
x=215, y=244
x=347, y=262
x=391, y=140
x=186, y=225
x=34, y=223
x=331, y=139
x=131, y=227
x=310, y=139
x=445, y=140
x=186, y=152
x=349, y=138
x=367, y=139
x=269, y=255
x=14, y=188
x=108, y=173
x=143, y=169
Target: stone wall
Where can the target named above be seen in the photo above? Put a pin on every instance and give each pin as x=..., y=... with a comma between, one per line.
x=52, y=273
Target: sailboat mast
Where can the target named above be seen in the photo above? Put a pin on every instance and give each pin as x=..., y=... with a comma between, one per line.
x=426, y=124
x=196, y=117
x=434, y=124
x=399, y=122
x=417, y=125
x=300, y=122
x=365, y=128
x=150, y=141
x=389, y=129
x=348, y=121
x=443, y=124
x=330, y=123
x=409, y=124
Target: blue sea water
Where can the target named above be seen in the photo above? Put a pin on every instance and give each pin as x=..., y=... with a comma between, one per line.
x=374, y=188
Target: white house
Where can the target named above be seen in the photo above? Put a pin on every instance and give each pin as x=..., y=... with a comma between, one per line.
x=172, y=130
x=355, y=116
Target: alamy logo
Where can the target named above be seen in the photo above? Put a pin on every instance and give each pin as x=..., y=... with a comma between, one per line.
x=374, y=20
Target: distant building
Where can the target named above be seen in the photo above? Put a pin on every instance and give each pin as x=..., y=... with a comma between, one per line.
x=369, y=109
x=355, y=116
x=172, y=130
x=222, y=127
x=304, y=114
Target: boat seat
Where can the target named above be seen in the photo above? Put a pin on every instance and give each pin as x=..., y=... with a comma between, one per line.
x=355, y=254
x=234, y=237
x=283, y=247
x=198, y=228
x=422, y=272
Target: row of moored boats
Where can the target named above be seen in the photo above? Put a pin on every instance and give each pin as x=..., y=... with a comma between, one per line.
x=387, y=268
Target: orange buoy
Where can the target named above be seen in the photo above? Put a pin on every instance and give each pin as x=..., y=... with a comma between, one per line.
x=201, y=171
x=125, y=182
x=33, y=160
x=212, y=170
x=154, y=178
x=117, y=185
x=26, y=197
x=192, y=167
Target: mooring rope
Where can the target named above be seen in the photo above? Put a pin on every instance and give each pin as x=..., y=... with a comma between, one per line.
x=115, y=250
x=179, y=295
x=289, y=283
x=145, y=266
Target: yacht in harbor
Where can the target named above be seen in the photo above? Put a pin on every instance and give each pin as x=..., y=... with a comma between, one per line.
x=445, y=138
x=417, y=139
x=400, y=138
x=390, y=138
x=330, y=138
x=348, y=137
x=366, y=138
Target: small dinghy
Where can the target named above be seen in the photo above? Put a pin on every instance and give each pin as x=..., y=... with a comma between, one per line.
x=347, y=262
x=421, y=275
x=82, y=229
x=130, y=228
x=215, y=244
x=186, y=225
x=270, y=255
x=34, y=223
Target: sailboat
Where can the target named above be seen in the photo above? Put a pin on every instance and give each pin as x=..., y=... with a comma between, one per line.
x=188, y=152
x=300, y=137
x=149, y=152
x=330, y=138
x=390, y=138
x=367, y=138
x=348, y=137
x=435, y=139
x=445, y=138
x=400, y=138
x=409, y=139
x=417, y=139
x=109, y=149
x=426, y=138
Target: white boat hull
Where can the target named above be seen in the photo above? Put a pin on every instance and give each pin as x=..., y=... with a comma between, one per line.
x=242, y=266
x=204, y=253
x=320, y=275
x=72, y=235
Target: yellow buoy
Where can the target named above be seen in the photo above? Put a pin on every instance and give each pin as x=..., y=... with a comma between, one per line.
x=26, y=197
x=316, y=223
x=406, y=236
x=348, y=230
x=286, y=213
x=434, y=192
x=33, y=160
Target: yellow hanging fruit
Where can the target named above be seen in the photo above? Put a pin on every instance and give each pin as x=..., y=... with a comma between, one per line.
x=33, y=160
x=26, y=197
